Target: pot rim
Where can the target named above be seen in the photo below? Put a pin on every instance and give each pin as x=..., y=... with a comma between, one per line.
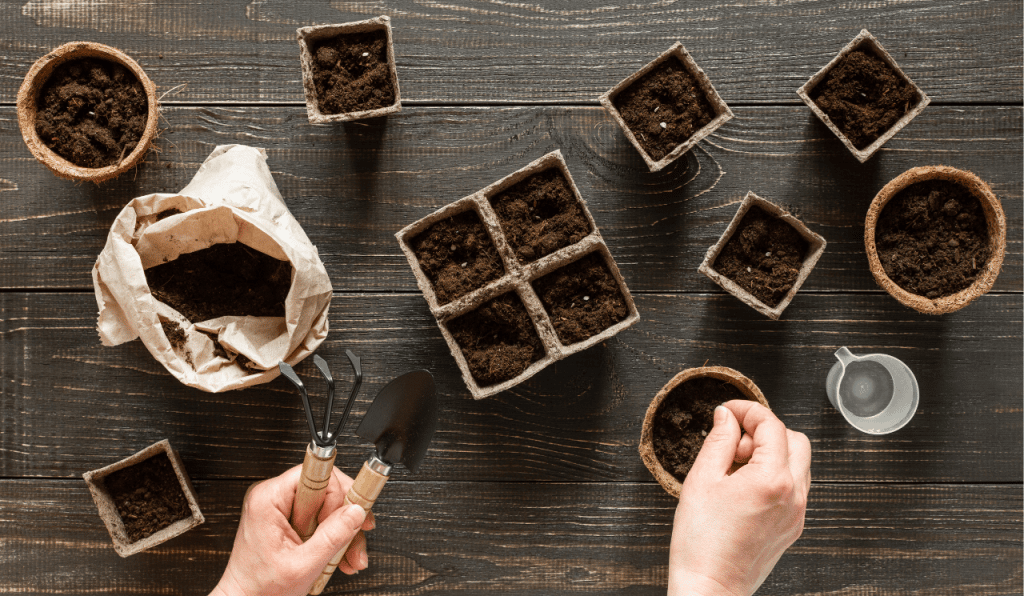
x=994, y=215
x=28, y=94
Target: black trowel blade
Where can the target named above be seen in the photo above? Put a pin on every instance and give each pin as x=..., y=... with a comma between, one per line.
x=402, y=419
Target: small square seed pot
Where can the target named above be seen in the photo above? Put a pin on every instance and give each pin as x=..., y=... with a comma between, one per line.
x=108, y=510
x=309, y=36
x=748, y=388
x=863, y=41
x=722, y=112
x=517, y=276
x=816, y=246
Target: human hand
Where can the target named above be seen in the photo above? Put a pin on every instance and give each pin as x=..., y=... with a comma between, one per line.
x=733, y=523
x=268, y=557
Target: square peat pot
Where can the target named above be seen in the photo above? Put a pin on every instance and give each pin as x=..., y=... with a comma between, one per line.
x=868, y=44
x=97, y=480
x=311, y=38
x=815, y=246
x=716, y=109
x=500, y=333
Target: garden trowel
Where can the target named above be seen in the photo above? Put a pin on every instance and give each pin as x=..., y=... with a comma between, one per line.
x=400, y=422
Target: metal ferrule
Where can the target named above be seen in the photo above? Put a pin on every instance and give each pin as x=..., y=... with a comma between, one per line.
x=322, y=452
x=378, y=465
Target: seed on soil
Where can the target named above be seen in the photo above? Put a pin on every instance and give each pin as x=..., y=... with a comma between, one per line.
x=497, y=339
x=589, y=274
x=148, y=496
x=351, y=72
x=442, y=249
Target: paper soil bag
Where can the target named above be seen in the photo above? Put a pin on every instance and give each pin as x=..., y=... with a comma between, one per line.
x=232, y=198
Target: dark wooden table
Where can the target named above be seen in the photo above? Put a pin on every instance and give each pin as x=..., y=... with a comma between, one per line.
x=538, y=490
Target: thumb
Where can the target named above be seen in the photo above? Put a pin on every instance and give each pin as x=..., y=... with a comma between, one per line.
x=719, y=450
x=334, y=533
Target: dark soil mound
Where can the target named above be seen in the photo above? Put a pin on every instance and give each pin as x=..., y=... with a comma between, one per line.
x=457, y=255
x=582, y=298
x=92, y=112
x=351, y=73
x=148, y=496
x=498, y=339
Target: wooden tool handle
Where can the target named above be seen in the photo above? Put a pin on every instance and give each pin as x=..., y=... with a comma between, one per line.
x=364, y=492
x=309, y=496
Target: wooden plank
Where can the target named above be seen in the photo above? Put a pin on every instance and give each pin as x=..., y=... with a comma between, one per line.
x=552, y=52
x=606, y=538
x=352, y=187
x=70, y=405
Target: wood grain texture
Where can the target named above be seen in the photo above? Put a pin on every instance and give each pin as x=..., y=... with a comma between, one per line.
x=605, y=538
x=352, y=187
x=577, y=421
x=559, y=51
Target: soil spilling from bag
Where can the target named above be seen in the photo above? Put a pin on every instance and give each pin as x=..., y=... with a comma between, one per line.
x=498, y=339
x=148, y=496
x=684, y=418
x=582, y=298
x=540, y=215
x=222, y=280
x=92, y=112
x=932, y=238
x=664, y=108
x=351, y=73
x=864, y=97
x=763, y=256
x=457, y=255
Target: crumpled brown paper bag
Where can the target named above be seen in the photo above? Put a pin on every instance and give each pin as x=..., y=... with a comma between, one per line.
x=232, y=198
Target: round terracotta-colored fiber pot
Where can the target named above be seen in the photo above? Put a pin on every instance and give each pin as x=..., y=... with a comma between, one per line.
x=669, y=482
x=996, y=237
x=28, y=96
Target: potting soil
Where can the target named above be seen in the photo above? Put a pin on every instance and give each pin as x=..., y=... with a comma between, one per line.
x=763, y=256
x=222, y=280
x=664, y=108
x=351, y=73
x=457, y=255
x=148, y=496
x=498, y=339
x=582, y=298
x=540, y=215
x=92, y=112
x=683, y=420
x=864, y=97
x=932, y=238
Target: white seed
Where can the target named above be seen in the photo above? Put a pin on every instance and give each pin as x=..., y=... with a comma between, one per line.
x=703, y=433
x=768, y=254
x=466, y=263
x=663, y=125
x=656, y=108
x=585, y=298
x=748, y=269
x=365, y=54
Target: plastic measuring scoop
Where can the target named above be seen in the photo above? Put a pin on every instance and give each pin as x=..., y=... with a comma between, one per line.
x=876, y=393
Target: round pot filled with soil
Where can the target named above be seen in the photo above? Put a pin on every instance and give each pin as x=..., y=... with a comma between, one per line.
x=682, y=414
x=87, y=111
x=935, y=237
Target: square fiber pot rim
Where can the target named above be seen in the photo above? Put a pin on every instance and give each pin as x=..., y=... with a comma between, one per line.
x=406, y=234
x=314, y=33
x=585, y=249
x=722, y=111
x=541, y=326
x=862, y=40
x=548, y=161
x=108, y=511
x=815, y=249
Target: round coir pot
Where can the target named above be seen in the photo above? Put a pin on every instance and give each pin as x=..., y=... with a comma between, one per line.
x=996, y=233
x=28, y=96
x=747, y=387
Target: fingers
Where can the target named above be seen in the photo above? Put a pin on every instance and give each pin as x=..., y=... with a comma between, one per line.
x=768, y=433
x=356, y=558
x=335, y=533
x=800, y=460
x=278, y=492
x=337, y=488
x=719, y=450
x=745, y=449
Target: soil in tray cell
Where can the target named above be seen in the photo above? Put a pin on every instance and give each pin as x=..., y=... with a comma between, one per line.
x=222, y=280
x=540, y=215
x=932, y=238
x=148, y=496
x=351, y=73
x=684, y=418
x=864, y=97
x=92, y=112
x=763, y=256
x=582, y=299
x=457, y=256
x=664, y=108
x=498, y=339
